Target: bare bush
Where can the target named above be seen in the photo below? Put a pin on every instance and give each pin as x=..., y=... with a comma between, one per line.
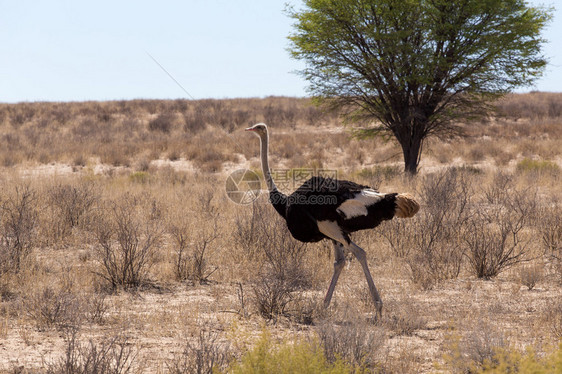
x=192, y=124
x=113, y=355
x=127, y=232
x=285, y=255
x=532, y=105
x=71, y=206
x=283, y=271
x=18, y=228
x=273, y=291
x=249, y=233
x=550, y=230
x=194, y=236
x=355, y=341
x=163, y=122
x=494, y=236
x=96, y=307
x=52, y=307
x=530, y=275
x=192, y=250
x=495, y=193
x=552, y=317
x=430, y=242
x=206, y=356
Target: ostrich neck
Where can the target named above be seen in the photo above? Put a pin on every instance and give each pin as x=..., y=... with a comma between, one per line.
x=264, y=144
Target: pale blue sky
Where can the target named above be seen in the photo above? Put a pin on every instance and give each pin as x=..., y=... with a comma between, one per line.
x=67, y=50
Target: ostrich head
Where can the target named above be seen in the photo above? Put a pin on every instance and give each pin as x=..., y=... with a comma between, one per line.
x=260, y=129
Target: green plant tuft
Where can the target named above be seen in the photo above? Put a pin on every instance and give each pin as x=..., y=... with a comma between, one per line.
x=513, y=361
x=140, y=177
x=528, y=165
x=299, y=357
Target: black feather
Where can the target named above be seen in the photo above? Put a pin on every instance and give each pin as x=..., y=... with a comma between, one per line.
x=279, y=202
x=318, y=199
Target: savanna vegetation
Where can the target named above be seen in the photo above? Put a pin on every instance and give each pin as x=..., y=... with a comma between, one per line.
x=121, y=252
x=417, y=66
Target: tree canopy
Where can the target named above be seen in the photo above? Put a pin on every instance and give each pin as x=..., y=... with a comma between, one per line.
x=415, y=66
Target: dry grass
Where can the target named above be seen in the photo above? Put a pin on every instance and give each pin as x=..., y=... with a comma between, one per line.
x=117, y=238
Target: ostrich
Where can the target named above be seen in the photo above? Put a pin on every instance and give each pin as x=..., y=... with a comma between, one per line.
x=325, y=208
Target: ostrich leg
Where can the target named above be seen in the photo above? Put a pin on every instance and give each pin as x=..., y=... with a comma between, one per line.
x=339, y=263
x=361, y=256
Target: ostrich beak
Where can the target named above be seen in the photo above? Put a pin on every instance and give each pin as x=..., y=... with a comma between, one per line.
x=249, y=129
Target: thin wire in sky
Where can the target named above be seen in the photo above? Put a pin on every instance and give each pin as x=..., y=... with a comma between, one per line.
x=170, y=75
x=192, y=98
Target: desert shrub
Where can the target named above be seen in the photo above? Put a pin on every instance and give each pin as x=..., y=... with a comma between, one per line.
x=273, y=291
x=283, y=271
x=194, y=236
x=530, y=275
x=552, y=317
x=71, y=206
x=284, y=254
x=163, y=122
x=113, y=156
x=531, y=105
x=52, y=307
x=379, y=173
x=430, y=241
x=207, y=355
x=192, y=124
x=538, y=166
x=355, y=342
x=550, y=230
x=192, y=249
x=18, y=227
x=209, y=158
x=496, y=192
x=298, y=357
x=248, y=233
x=238, y=118
x=470, y=352
x=140, y=177
x=95, y=307
x=168, y=175
x=402, y=317
x=113, y=355
x=85, y=130
x=79, y=160
x=494, y=235
x=128, y=232
x=507, y=361
x=306, y=310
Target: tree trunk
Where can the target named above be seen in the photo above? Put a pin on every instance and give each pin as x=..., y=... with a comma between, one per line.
x=411, y=149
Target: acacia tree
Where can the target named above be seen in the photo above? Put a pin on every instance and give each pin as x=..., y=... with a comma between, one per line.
x=410, y=68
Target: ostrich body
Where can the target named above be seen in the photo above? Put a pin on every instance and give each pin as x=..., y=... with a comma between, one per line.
x=325, y=208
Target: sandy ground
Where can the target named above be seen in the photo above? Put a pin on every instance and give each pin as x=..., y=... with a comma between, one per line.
x=157, y=322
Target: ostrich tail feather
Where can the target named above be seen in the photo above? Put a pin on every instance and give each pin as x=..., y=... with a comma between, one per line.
x=406, y=206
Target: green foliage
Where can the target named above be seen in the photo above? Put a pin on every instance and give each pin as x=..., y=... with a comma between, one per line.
x=513, y=361
x=471, y=352
x=378, y=171
x=416, y=65
x=140, y=177
x=468, y=169
x=483, y=351
x=300, y=357
x=538, y=166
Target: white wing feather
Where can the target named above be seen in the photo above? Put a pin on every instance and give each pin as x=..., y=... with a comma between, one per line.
x=358, y=205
